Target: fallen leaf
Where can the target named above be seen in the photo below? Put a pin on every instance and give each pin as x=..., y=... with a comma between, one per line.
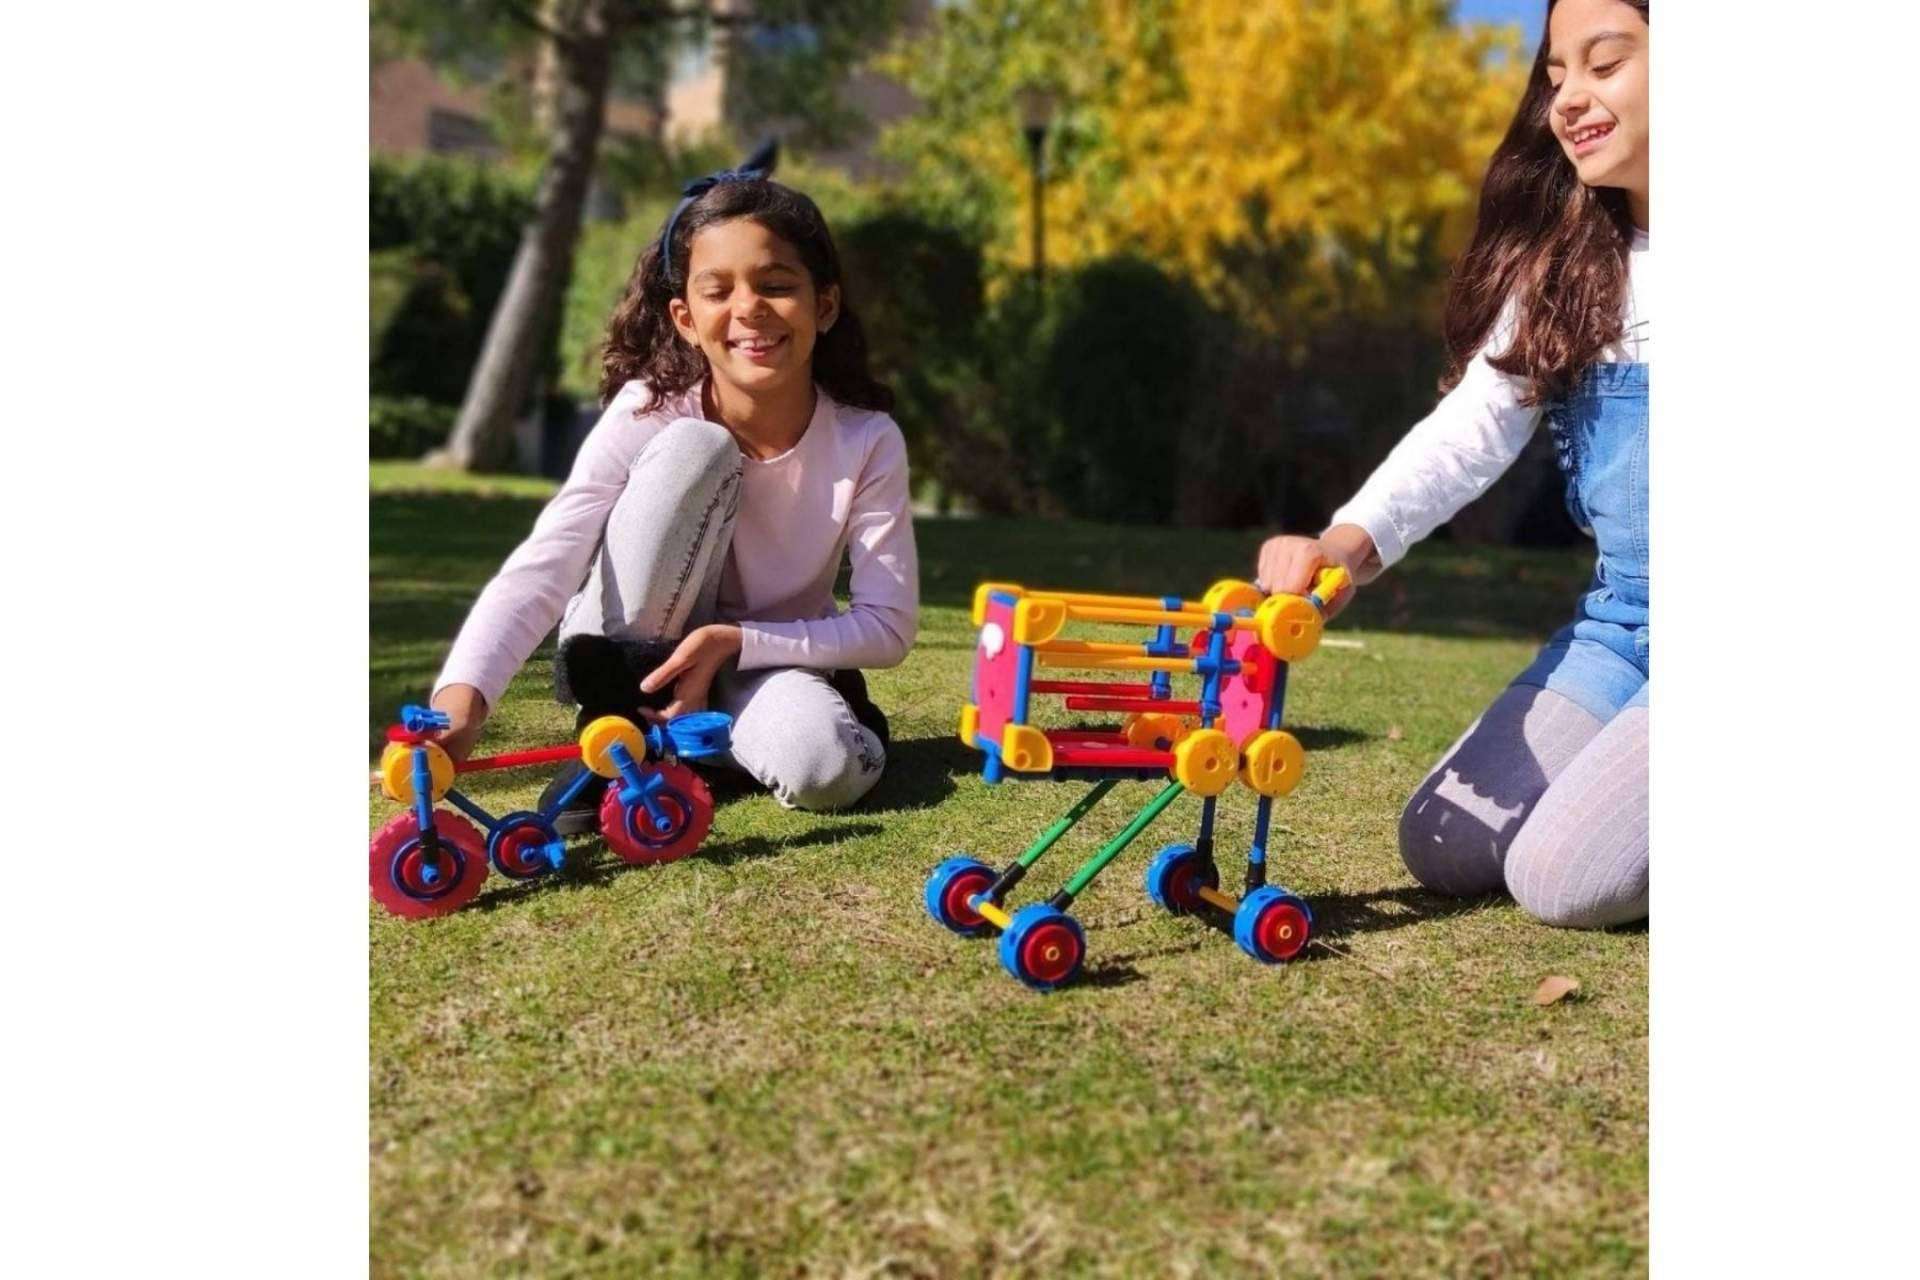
x=1554, y=989
x=1395, y=733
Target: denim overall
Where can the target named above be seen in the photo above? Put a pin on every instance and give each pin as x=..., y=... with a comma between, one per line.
x=1599, y=660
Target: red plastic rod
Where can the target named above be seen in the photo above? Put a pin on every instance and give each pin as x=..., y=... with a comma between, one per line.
x=1166, y=705
x=1111, y=757
x=1090, y=686
x=514, y=759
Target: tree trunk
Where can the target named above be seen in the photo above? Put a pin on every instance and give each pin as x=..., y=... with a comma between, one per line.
x=521, y=323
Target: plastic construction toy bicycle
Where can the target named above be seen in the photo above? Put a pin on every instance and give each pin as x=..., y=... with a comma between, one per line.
x=1240, y=652
x=426, y=862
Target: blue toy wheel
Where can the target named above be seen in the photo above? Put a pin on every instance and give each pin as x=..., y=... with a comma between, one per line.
x=517, y=846
x=952, y=883
x=1272, y=924
x=1043, y=946
x=1174, y=875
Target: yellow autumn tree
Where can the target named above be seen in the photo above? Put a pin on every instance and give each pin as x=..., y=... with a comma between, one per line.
x=1287, y=157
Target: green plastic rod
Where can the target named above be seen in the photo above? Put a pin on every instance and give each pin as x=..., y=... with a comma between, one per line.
x=1066, y=824
x=1084, y=876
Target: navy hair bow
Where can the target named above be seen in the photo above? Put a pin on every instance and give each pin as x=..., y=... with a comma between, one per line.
x=755, y=167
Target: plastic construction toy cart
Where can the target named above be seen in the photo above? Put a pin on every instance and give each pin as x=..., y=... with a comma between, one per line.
x=426, y=862
x=1238, y=651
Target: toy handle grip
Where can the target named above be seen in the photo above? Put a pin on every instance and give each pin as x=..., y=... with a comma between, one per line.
x=1330, y=582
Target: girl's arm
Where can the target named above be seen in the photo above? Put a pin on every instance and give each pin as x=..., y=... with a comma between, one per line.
x=883, y=613
x=1451, y=457
x=524, y=600
x=1448, y=459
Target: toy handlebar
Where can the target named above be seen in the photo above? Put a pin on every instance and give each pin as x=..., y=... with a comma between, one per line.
x=693, y=736
x=417, y=719
x=1328, y=583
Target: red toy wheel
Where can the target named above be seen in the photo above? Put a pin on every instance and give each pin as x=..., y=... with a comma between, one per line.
x=1282, y=930
x=1050, y=951
x=954, y=901
x=400, y=876
x=633, y=833
x=519, y=847
x=1183, y=886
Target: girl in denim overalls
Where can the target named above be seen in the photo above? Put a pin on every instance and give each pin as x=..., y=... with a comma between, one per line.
x=1545, y=794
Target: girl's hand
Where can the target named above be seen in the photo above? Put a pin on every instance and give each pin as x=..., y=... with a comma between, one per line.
x=691, y=669
x=1289, y=563
x=467, y=710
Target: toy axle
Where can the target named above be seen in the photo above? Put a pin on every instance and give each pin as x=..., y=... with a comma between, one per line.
x=1210, y=894
x=990, y=912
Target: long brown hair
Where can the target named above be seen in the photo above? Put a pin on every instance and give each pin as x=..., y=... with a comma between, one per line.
x=1556, y=246
x=642, y=342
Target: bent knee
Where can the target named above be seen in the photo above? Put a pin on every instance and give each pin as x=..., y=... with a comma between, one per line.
x=821, y=772
x=1577, y=886
x=707, y=444
x=1447, y=849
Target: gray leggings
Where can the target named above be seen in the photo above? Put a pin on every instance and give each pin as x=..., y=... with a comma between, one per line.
x=1541, y=799
x=656, y=576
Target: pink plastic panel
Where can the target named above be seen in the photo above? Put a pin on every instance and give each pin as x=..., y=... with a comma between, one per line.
x=996, y=664
x=1247, y=696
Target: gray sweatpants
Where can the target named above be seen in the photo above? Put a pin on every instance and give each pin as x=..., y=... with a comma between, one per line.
x=1542, y=799
x=656, y=576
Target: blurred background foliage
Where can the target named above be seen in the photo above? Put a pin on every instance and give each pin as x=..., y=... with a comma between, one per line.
x=1249, y=211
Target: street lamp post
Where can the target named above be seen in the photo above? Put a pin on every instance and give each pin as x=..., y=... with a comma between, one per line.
x=1036, y=118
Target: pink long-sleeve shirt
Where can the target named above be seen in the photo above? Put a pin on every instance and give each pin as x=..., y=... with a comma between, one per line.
x=841, y=491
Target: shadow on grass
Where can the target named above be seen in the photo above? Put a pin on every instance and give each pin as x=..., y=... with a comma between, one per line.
x=920, y=774
x=1348, y=915
x=592, y=864
x=1326, y=737
x=1114, y=973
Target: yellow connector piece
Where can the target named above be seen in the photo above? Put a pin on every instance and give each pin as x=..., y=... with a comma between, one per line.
x=396, y=771
x=598, y=738
x=1204, y=762
x=985, y=589
x=1273, y=763
x=1289, y=626
x=1025, y=749
x=1230, y=595
x=1038, y=619
x=1155, y=731
x=969, y=724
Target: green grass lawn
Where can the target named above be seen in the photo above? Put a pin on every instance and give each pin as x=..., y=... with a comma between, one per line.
x=766, y=1060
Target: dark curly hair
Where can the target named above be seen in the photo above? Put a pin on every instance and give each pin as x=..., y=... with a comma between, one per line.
x=1555, y=245
x=642, y=342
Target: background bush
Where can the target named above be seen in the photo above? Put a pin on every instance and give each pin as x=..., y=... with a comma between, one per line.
x=407, y=426
x=443, y=234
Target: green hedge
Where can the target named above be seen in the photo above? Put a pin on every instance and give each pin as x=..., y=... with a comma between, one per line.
x=443, y=234
x=406, y=427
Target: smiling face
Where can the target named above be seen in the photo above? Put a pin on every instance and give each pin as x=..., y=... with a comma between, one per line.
x=751, y=307
x=1597, y=64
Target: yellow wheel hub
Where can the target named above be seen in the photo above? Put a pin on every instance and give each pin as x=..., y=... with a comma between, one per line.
x=598, y=738
x=396, y=771
x=1204, y=762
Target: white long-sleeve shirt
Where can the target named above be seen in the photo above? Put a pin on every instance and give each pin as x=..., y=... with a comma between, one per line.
x=1473, y=435
x=841, y=490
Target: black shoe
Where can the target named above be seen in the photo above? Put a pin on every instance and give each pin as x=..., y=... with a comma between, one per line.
x=582, y=814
